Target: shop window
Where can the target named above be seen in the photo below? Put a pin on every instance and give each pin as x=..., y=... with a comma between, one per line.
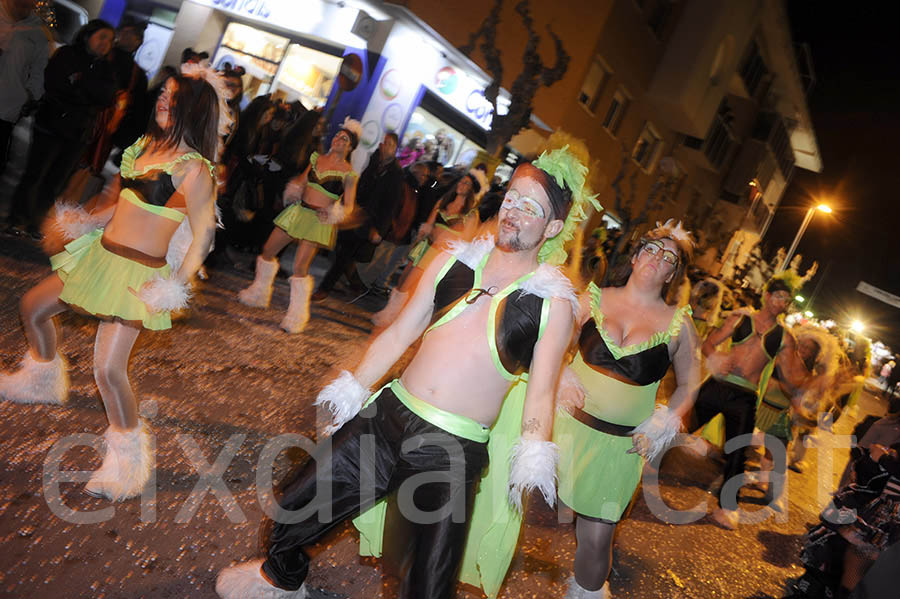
x=429, y=138
x=647, y=147
x=597, y=75
x=616, y=111
x=306, y=75
x=259, y=52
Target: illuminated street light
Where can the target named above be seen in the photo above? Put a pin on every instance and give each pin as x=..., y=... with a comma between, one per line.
x=799, y=299
x=857, y=326
x=808, y=314
x=809, y=214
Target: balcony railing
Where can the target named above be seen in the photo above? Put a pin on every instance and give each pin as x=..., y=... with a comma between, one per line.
x=769, y=128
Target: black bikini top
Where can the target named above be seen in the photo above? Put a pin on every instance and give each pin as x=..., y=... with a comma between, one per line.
x=641, y=368
x=154, y=187
x=640, y=363
x=330, y=181
x=746, y=328
x=518, y=318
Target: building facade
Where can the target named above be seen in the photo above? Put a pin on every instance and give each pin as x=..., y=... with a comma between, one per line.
x=694, y=109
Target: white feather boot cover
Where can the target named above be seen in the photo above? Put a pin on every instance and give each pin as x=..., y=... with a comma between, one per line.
x=258, y=294
x=389, y=313
x=127, y=465
x=298, y=310
x=36, y=382
x=245, y=581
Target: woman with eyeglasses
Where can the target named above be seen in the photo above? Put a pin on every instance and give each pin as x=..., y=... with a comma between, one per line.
x=631, y=332
x=320, y=198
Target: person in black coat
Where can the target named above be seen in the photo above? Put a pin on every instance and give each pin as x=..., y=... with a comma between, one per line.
x=379, y=194
x=78, y=83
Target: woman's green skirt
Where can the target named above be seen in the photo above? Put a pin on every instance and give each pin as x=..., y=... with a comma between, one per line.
x=98, y=281
x=301, y=222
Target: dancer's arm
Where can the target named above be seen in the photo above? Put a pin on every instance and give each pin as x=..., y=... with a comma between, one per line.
x=717, y=336
x=686, y=363
x=790, y=363
x=349, y=198
x=534, y=457
x=549, y=352
x=387, y=347
x=199, y=191
x=295, y=188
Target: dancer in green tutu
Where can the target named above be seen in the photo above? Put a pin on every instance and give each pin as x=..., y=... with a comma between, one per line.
x=130, y=263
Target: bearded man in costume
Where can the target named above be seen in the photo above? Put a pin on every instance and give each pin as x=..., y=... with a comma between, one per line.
x=492, y=317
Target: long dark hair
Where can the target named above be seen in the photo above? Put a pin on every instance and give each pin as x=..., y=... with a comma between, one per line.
x=195, y=118
x=89, y=29
x=450, y=194
x=669, y=291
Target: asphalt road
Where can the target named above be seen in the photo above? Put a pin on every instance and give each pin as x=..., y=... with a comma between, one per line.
x=224, y=383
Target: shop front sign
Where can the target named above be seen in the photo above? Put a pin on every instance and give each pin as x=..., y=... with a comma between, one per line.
x=250, y=8
x=463, y=93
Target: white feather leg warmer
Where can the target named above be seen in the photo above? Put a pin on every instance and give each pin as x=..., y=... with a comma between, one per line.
x=73, y=221
x=127, y=465
x=37, y=382
x=344, y=397
x=168, y=294
x=245, y=581
x=532, y=465
x=660, y=429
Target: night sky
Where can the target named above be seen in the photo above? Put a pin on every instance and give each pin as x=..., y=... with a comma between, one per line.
x=855, y=108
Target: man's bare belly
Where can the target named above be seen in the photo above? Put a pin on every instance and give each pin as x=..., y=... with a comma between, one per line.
x=453, y=368
x=747, y=360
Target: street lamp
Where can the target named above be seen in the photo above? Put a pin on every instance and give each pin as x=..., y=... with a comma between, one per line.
x=857, y=326
x=809, y=214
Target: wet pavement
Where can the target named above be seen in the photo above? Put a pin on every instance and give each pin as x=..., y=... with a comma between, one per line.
x=222, y=385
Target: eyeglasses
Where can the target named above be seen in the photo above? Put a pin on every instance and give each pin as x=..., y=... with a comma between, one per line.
x=527, y=206
x=653, y=248
x=343, y=136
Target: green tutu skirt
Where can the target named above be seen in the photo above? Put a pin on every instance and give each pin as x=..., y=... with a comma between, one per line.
x=773, y=415
x=301, y=222
x=96, y=281
x=597, y=477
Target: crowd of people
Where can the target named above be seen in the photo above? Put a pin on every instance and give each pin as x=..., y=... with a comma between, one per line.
x=537, y=366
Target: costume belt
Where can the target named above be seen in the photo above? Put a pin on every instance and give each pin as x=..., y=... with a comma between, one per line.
x=132, y=254
x=610, y=428
x=461, y=426
x=737, y=381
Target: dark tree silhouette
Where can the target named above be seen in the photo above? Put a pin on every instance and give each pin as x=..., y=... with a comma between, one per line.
x=534, y=73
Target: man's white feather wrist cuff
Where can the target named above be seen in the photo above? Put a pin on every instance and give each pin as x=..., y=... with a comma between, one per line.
x=344, y=397
x=532, y=465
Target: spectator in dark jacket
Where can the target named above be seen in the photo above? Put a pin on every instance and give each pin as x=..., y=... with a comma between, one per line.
x=78, y=84
x=379, y=193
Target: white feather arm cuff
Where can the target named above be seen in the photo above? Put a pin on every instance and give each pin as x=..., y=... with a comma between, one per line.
x=344, y=397
x=73, y=221
x=532, y=465
x=168, y=294
x=335, y=214
x=660, y=429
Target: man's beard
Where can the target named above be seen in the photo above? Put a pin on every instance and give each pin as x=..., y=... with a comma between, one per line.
x=513, y=243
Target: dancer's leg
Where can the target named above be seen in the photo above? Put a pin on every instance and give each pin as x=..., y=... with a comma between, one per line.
x=112, y=349
x=128, y=463
x=276, y=242
x=301, y=289
x=42, y=377
x=593, y=555
x=38, y=307
x=306, y=251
